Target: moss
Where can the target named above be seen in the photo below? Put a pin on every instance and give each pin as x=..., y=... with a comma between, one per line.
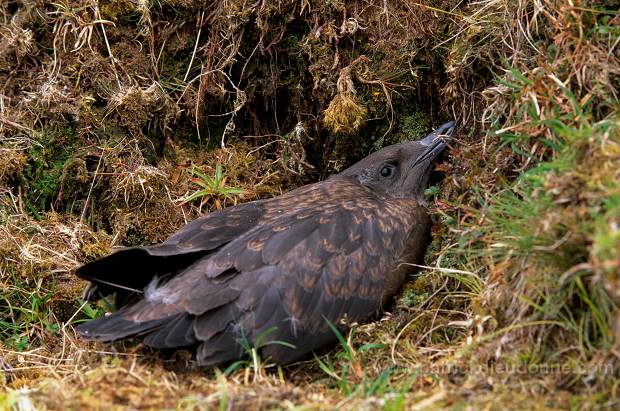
x=42, y=174
x=415, y=125
x=115, y=10
x=417, y=292
x=344, y=115
x=526, y=244
x=12, y=164
x=73, y=180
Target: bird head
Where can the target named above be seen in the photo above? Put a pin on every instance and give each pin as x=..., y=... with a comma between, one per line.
x=402, y=170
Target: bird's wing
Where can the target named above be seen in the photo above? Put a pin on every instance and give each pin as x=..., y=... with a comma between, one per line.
x=129, y=270
x=279, y=281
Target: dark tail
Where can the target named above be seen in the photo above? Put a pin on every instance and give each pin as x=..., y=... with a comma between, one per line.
x=170, y=331
x=127, y=272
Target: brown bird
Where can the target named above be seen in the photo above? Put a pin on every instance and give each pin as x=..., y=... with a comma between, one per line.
x=276, y=270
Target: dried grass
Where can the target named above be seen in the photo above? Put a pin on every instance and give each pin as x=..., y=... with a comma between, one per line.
x=106, y=110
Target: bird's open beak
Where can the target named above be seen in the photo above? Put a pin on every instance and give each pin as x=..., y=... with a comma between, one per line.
x=435, y=142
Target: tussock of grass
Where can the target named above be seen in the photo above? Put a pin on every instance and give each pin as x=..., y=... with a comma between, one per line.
x=555, y=125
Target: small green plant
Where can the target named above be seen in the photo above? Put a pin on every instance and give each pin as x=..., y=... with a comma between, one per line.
x=351, y=379
x=24, y=314
x=93, y=312
x=212, y=189
x=252, y=351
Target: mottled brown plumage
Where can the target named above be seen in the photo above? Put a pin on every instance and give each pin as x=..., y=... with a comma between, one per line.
x=276, y=269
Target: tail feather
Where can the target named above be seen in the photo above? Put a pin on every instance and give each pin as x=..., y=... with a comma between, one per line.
x=176, y=332
x=169, y=332
x=127, y=272
x=114, y=327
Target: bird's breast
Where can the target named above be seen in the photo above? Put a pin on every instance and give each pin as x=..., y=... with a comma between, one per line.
x=415, y=245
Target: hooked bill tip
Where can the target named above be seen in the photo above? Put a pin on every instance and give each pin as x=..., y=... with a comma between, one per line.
x=435, y=142
x=443, y=132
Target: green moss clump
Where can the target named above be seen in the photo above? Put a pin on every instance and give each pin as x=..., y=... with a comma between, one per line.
x=415, y=125
x=344, y=114
x=116, y=10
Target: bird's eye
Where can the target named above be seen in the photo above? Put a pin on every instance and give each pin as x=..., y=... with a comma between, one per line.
x=386, y=170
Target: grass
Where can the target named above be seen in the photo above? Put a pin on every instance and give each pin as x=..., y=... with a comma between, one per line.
x=107, y=121
x=213, y=189
x=352, y=380
x=25, y=309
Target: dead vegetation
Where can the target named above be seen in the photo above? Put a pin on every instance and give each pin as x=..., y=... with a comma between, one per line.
x=121, y=120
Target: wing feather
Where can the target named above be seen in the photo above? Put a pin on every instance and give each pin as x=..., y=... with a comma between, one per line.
x=130, y=270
